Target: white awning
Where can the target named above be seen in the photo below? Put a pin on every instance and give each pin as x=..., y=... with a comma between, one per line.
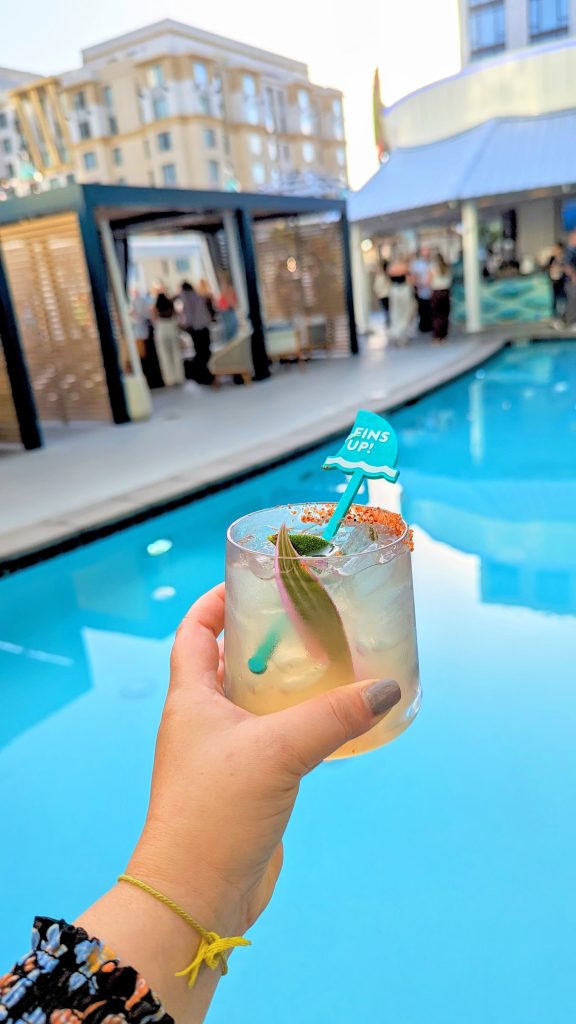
x=504, y=156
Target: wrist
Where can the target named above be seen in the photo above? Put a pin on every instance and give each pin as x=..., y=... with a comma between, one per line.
x=193, y=885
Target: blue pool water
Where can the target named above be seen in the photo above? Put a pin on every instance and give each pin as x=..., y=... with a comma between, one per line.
x=436, y=876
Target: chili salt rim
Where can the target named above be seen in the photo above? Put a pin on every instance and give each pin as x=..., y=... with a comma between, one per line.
x=319, y=514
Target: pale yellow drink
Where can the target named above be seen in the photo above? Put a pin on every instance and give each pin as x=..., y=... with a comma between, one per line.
x=368, y=578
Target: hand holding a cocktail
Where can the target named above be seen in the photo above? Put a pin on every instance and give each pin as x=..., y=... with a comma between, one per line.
x=306, y=672
x=223, y=788
x=225, y=780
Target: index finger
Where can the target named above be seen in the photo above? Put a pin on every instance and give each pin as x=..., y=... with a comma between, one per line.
x=195, y=655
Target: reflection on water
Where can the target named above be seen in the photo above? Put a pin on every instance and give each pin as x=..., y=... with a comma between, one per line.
x=489, y=467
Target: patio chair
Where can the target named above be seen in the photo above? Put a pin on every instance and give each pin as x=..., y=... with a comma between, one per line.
x=235, y=358
x=284, y=341
x=313, y=332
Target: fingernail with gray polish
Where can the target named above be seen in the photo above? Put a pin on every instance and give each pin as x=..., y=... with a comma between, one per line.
x=382, y=696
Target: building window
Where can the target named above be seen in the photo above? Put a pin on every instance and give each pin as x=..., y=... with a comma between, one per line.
x=7, y=145
x=120, y=181
x=90, y=161
x=308, y=152
x=182, y=264
x=200, y=72
x=213, y=172
x=85, y=130
x=79, y=100
x=305, y=112
x=269, y=119
x=209, y=136
x=548, y=18
x=108, y=97
x=217, y=95
x=487, y=27
x=70, y=179
x=286, y=152
x=155, y=76
x=146, y=145
x=169, y=174
x=341, y=156
x=164, y=141
x=151, y=178
x=281, y=111
x=3, y=120
x=117, y=157
x=255, y=143
x=9, y=169
x=338, y=118
x=272, y=149
x=258, y=173
x=112, y=125
x=160, y=107
x=250, y=94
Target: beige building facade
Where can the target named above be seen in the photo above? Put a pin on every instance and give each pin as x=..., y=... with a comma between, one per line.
x=170, y=105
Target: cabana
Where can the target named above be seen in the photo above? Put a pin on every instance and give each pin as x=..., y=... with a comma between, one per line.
x=68, y=351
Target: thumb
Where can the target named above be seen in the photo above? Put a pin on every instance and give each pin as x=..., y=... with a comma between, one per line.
x=317, y=727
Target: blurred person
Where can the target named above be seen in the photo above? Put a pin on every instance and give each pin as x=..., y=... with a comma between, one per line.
x=227, y=305
x=204, y=289
x=557, y=275
x=440, y=283
x=196, y=320
x=402, y=303
x=167, y=338
x=420, y=269
x=141, y=314
x=570, y=271
x=381, y=289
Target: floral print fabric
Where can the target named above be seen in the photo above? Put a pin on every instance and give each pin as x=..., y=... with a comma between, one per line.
x=69, y=978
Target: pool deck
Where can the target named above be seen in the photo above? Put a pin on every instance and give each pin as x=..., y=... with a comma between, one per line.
x=92, y=475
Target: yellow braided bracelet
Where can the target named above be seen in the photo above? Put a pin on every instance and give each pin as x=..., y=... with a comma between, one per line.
x=212, y=948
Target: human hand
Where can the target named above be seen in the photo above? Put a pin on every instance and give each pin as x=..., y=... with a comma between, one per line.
x=223, y=788
x=225, y=781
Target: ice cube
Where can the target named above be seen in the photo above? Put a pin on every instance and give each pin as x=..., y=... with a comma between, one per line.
x=294, y=669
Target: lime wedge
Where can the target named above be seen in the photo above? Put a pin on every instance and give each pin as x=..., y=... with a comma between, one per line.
x=305, y=543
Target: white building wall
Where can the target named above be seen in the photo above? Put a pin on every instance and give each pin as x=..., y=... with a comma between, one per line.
x=527, y=83
x=517, y=24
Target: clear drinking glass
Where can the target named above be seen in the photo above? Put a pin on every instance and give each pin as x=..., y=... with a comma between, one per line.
x=368, y=576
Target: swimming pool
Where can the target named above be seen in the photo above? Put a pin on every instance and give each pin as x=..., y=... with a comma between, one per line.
x=437, y=875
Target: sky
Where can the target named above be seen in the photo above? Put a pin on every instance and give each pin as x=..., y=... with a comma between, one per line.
x=412, y=42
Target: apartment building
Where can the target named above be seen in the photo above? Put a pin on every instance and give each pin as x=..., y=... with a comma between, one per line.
x=171, y=105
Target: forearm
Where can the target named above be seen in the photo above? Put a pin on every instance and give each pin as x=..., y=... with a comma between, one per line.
x=156, y=943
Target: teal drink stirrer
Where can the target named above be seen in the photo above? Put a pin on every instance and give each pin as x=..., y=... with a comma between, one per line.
x=370, y=450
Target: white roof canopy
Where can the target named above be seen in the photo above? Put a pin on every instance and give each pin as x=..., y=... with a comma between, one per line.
x=502, y=157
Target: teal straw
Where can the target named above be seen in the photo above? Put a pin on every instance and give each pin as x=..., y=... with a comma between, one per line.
x=258, y=663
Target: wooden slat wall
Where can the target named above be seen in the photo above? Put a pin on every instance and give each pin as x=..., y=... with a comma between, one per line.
x=9, y=429
x=48, y=278
x=317, y=284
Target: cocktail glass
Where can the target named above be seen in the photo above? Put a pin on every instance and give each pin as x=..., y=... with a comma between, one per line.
x=368, y=577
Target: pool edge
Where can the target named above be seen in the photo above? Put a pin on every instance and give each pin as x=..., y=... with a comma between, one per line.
x=89, y=523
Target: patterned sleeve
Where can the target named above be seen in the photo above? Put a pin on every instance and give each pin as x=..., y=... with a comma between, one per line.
x=69, y=978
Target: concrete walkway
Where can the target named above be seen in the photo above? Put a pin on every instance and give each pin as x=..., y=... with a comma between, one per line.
x=95, y=474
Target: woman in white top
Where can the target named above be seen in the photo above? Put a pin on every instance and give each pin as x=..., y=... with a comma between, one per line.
x=402, y=302
x=440, y=282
